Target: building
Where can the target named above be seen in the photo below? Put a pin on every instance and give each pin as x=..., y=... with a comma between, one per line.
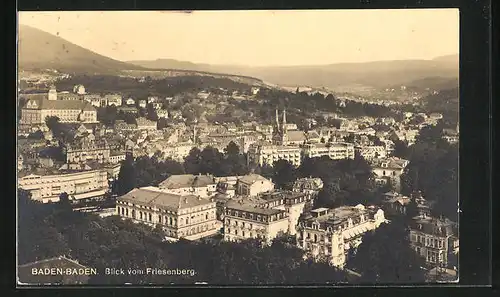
x=37, y=109
x=94, y=99
x=46, y=186
x=142, y=103
x=79, y=89
x=244, y=220
x=329, y=233
x=128, y=109
x=253, y=185
x=335, y=151
x=87, y=148
x=371, y=152
x=389, y=170
x=114, y=99
x=283, y=136
x=309, y=186
x=130, y=101
x=116, y=157
x=260, y=154
x=20, y=162
x=162, y=113
x=395, y=204
x=435, y=239
x=189, y=184
x=145, y=124
x=54, y=271
x=180, y=216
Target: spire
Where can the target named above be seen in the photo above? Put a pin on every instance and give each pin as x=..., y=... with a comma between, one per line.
x=277, y=120
x=284, y=119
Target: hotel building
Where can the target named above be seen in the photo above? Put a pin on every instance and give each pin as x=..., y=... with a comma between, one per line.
x=38, y=108
x=268, y=154
x=434, y=239
x=46, y=186
x=188, y=216
x=335, y=151
x=329, y=233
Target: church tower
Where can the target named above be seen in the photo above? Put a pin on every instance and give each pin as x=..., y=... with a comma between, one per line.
x=277, y=129
x=52, y=93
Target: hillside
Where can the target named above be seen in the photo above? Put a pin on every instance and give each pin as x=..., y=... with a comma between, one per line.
x=41, y=50
x=379, y=74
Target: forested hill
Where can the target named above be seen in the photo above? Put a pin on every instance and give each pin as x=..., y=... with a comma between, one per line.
x=445, y=102
x=40, y=50
x=129, y=86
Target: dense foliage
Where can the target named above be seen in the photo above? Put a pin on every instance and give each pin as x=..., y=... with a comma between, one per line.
x=433, y=169
x=385, y=256
x=49, y=230
x=129, y=86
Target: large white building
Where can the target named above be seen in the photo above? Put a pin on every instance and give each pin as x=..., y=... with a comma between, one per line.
x=38, y=108
x=336, y=151
x=329, y=233
x=46, y=186
x=181, y=216
x=261, y=154
x=263, y=217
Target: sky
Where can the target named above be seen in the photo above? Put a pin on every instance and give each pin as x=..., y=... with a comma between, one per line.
x=258, y=38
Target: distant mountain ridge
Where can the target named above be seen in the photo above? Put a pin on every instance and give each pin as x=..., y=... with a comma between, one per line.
x=373, y=74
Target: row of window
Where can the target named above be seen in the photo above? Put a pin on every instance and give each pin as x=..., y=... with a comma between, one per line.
x=147, y=216
x=428, y=241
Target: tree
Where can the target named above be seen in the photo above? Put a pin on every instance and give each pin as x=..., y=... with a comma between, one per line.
x=400, y=149
x=192, y=162
x=385, y=256
x=284, y=174
x=54, y=125
x=127, y=176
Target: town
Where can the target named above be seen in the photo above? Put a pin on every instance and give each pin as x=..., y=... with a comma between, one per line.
x=247, y=163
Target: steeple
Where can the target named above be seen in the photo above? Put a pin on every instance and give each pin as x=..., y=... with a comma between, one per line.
x=52, y=93
x=284, y=120
x=277, y=121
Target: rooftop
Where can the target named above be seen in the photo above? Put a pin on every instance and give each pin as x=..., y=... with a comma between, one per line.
x=154, y=197
x=187, y=180
x=252, y=178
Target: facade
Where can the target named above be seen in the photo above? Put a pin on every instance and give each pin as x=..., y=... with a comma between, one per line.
x=116, y=157
x=253, y=185
x=330, y=233
x=371, y=152
x=37, y=109
x=188, y=184
x=335, y=151
x=243, y=221
x=94, y=99
x=187, y=216
x=87, y=149
x=145, y=124
x=268, y=154
x=434, y=239
x=85, y=184
x=308, y=186
x=389, y=169
x=395, y=204
x=114, y=99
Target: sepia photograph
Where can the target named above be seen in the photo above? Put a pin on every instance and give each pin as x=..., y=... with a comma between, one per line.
x=238, y=148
